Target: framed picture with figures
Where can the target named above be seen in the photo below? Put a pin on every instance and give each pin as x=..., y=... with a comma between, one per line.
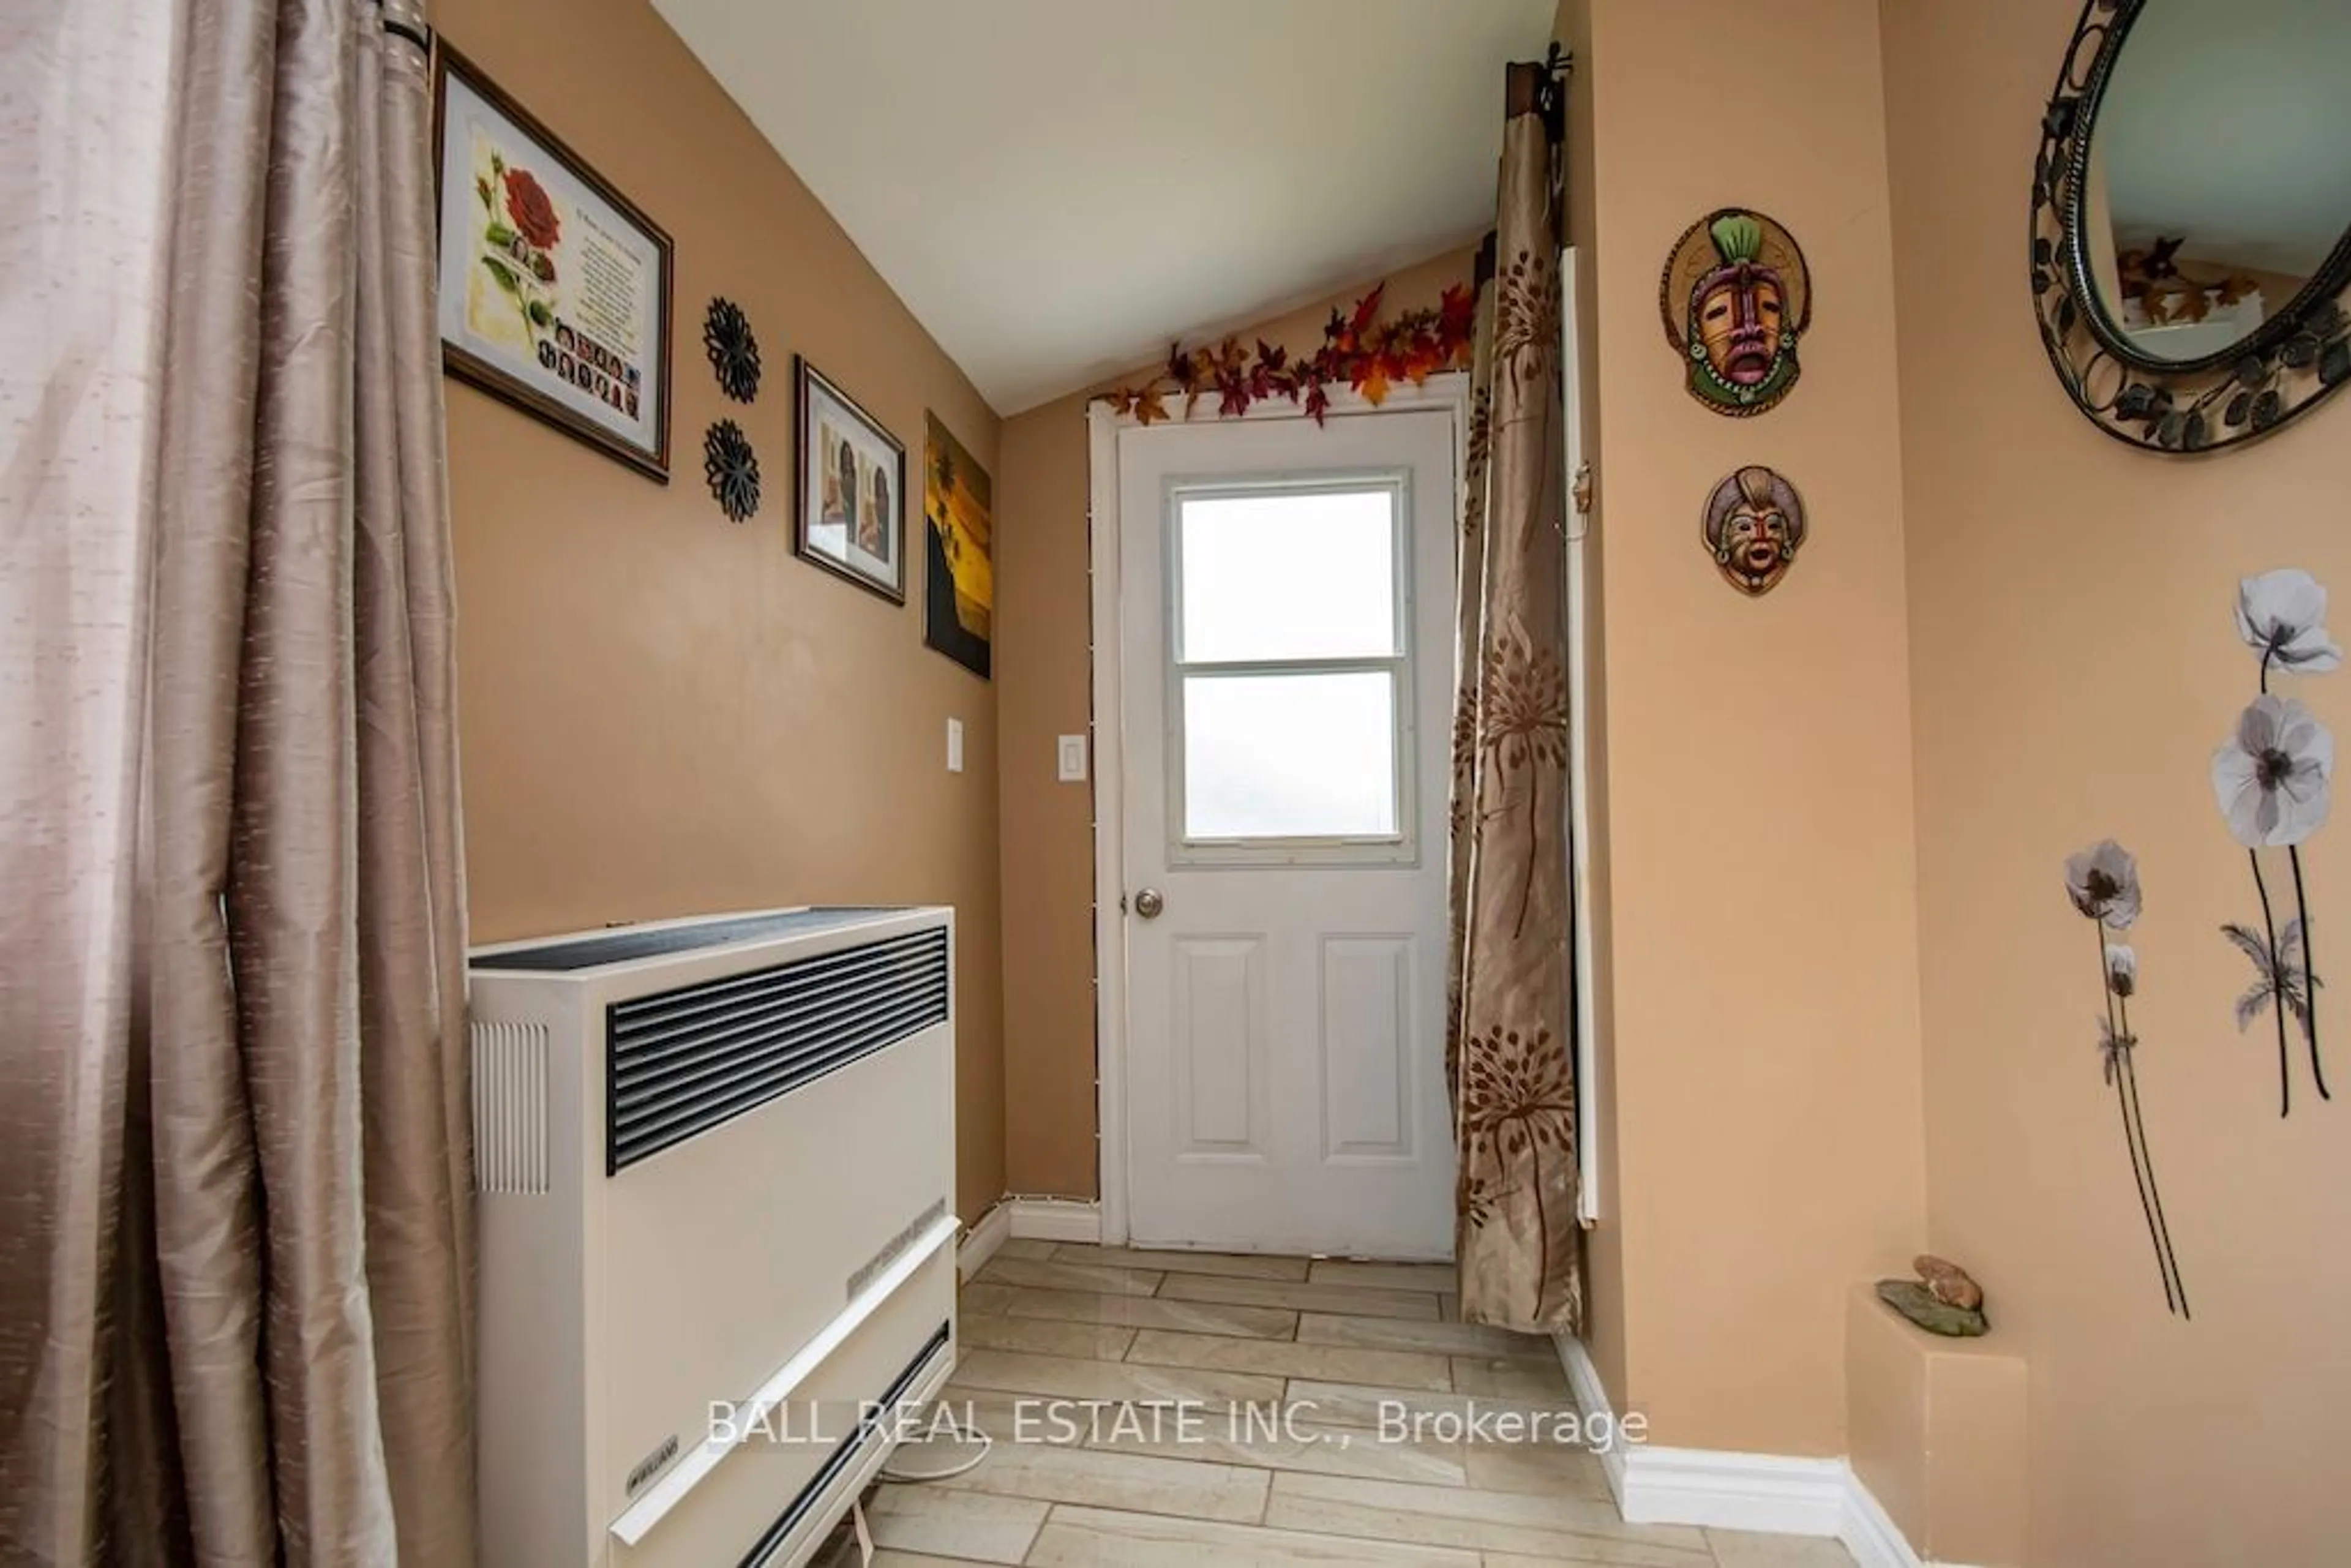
x=851, y=496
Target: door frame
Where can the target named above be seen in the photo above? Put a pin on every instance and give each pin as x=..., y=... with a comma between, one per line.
x=1448, y=393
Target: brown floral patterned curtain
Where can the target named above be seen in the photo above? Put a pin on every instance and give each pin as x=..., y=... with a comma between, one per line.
x=1510, y=1055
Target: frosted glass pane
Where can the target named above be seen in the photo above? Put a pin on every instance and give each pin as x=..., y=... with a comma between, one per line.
x=1289, y=755
x=1281, y=576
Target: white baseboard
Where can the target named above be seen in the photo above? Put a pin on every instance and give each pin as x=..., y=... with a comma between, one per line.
x=1056, y=1220
x=1873, y=1538
x=1592, y=1398
x=979, y=1243
x=1764, y=1493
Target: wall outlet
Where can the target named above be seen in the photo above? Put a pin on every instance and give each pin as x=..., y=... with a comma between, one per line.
x=954, y=745
x=1072, y=758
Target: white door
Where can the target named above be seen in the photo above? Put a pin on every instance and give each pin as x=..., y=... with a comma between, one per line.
x=1286, y=597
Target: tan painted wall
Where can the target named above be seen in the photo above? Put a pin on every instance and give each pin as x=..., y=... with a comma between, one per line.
x=1043, y=665
x=1762, y=952
x=2074, y=665
x=1936, y=1429
x=664, y=713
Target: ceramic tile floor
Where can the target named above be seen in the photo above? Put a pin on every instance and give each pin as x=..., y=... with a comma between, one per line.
x=1344, y=1344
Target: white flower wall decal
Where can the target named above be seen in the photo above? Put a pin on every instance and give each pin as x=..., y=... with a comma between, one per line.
x=2112, y=1050
x=2282, y=616
x=2279, y=975
x=2103, y=884
x=2122, y=969
x=2272, y=779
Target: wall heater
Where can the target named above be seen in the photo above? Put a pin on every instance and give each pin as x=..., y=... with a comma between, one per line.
x=713, y=1164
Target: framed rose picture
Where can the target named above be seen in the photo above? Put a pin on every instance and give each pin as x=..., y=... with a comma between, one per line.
x=852, y=488
x=555, y=290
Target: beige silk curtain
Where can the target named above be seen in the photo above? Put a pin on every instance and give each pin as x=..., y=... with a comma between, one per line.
x=235, y=1318
x=1510, y=1051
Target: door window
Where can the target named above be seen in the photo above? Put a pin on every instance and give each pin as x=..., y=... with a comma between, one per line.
x=1290, y=673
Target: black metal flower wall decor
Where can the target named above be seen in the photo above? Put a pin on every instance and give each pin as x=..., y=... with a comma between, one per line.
x=2189, y=337
x=733, y=349
x=733, y=470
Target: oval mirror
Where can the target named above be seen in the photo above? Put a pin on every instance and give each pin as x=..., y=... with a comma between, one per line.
x=2192, y=216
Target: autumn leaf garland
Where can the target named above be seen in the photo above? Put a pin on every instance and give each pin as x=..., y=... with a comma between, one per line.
x=1358, y=350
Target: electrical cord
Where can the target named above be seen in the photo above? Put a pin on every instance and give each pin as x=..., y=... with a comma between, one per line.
x=891, y=1472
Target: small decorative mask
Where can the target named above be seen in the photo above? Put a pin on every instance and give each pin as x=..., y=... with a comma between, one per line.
x=1736, y=298
x=1753, y=525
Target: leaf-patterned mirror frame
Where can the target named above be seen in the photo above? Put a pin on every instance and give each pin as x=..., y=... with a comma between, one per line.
x=2285, y=368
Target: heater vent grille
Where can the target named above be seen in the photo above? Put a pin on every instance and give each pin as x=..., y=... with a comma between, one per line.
x=509, y=1107
x=683, y=1061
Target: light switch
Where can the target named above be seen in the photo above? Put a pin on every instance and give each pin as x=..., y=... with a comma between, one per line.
x=1073, y=758
x=954, y=745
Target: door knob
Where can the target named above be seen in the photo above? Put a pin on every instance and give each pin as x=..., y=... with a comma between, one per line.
x=1149, y=902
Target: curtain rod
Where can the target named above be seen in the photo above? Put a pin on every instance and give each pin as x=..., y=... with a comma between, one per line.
x=421, y=36
x=1550, y=96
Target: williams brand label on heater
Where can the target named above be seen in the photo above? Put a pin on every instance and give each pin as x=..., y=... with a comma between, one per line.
x=898, y=1244
x=652, y=1465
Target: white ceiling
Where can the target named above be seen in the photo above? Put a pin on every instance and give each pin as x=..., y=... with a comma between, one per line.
x=1058, y=187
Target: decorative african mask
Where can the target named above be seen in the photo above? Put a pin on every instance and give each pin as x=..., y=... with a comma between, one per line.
x=1753, y=525
x=1735, y=297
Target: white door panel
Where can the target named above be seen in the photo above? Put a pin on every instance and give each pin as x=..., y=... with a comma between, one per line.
x=1365, y=1047
x=1285, y=606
